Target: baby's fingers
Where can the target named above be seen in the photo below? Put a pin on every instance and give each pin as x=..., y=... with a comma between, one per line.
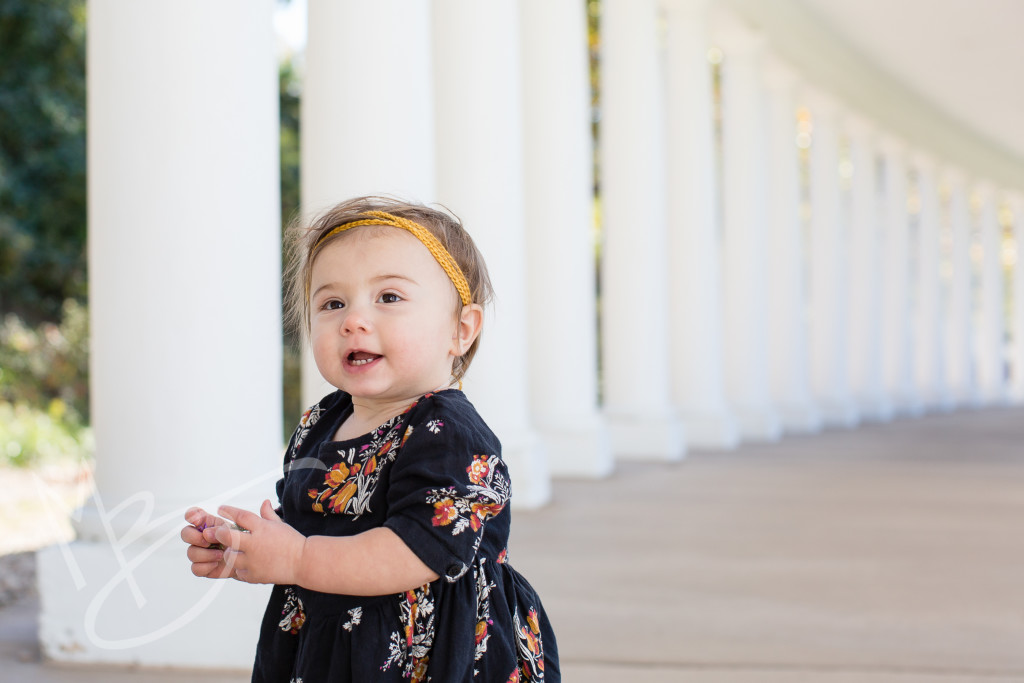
x=201, y=519
x=212, y=570
x=193, y=536
x=204, y=555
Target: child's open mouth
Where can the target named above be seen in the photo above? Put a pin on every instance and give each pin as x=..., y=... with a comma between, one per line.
x=362, y=357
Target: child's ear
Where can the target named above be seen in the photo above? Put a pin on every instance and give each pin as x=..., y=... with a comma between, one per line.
x=471, y=319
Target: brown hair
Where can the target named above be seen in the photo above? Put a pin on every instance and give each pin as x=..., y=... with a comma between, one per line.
x=303, y=242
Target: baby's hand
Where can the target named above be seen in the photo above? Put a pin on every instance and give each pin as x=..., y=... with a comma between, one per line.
x=205, y=553
x=266, y=550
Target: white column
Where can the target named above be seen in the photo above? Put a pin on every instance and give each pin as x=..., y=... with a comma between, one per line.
x=787, y=288
x=959, y=330
x=991, y=328
x=866, y=379
x=929, y=317
x=897, y=339
x=184, y=299
x=480, y=177
x=634, y=266
x=361, y=134
x=695, y=274
x=829, y=272
x=744, y=171
x=558, y=163
x=1016, y=202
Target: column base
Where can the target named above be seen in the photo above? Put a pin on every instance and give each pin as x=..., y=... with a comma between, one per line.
x=877, y=409
x=646, y=437
x=908, y=406
x=800, y=418
x=758, y=424
x=993, y=397
x=581, y=451
x=711, y=430
x=529, y=467
x=941, y=403
x=140, y=605
x=840, y=414
x=966, y=398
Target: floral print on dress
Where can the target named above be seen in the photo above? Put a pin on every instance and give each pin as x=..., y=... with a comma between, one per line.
x=293, y=615
x=309, y=418
x=483, y=609
x=350, y=482
x=355, y=617
x=410, y=649
x=485, y=497
x=531, y=651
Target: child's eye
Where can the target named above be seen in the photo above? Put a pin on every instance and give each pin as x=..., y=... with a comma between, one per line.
x=332, y=305
x=389, y=298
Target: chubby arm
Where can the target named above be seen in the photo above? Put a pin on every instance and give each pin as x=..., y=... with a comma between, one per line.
x=375, y=562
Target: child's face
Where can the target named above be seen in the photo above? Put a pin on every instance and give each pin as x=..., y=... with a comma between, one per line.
x=383, y=322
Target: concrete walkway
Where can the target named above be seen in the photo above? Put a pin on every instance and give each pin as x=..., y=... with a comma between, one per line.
x=887, y=554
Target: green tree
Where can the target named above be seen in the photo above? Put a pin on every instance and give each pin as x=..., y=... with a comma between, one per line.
x=42, y=156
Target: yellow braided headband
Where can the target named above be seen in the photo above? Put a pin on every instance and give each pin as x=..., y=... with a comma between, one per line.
x=444, y=259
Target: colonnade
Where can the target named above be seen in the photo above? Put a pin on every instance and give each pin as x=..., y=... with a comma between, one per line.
x=761, y=273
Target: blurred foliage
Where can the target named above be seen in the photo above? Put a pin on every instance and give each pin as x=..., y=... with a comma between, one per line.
x=290, y=89
x=44, y=396
x=594, y=52
x=30, y=436
x=290, y=96
x=44, y=402
x=48, y=363
x=42, y=156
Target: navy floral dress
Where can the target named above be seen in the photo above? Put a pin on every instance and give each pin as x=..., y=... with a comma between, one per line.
x=435, y=477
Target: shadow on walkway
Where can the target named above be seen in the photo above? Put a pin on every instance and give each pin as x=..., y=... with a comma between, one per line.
x=887, y=554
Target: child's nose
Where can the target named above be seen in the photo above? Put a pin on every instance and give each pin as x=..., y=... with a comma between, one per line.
x=355, y=321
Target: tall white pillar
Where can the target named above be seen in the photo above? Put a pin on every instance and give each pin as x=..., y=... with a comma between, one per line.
x=1016, y=202
x=991, y=348
x=558, y=163
x=355, y=143
x=929, y=317
x=787, y=335
x=897, y=336
x=829, y=271
x=480, y=177
x=184, y=299
x=959, y=330
x=744, y=190
x=866, y=378
x=695, y=272
x=634, y=266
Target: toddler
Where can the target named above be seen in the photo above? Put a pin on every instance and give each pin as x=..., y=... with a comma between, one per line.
x=388, y=551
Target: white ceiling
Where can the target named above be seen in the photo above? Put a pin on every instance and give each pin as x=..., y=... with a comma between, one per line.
x=965, y=57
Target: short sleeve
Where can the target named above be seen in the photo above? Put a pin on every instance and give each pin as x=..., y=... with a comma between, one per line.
x=446, y=483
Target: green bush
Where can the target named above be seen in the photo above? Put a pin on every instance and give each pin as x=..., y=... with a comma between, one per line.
x=30, y=436
x=47, y=363
x=44, y=396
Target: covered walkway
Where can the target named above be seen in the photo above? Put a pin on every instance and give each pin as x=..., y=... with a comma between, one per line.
x=792, y=237
x=893, y=553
